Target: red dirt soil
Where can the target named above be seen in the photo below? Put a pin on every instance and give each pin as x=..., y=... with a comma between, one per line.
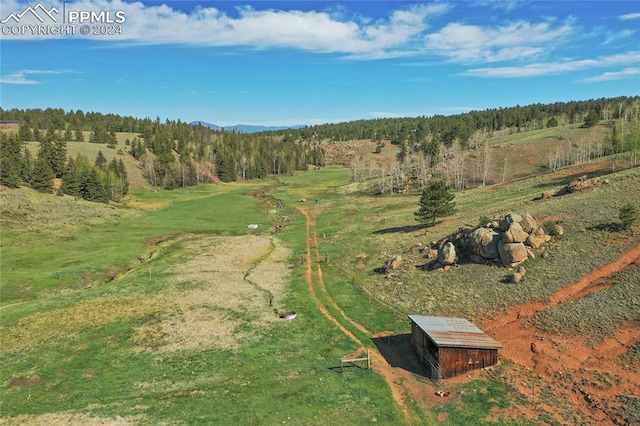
x=402, y=383
x=566, y=367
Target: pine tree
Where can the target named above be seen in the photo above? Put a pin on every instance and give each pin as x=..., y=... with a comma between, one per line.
x=101, y=161
x=25, y=133
x=122, y=173
x=591, y=119
x=91, y=187
x=9, y=173
x=59, y=158
x=42, y=176
x=37, y=134
x=71, y=179
x=436, y=201
x=26, y=170
x=10, y=160
x=78, y=135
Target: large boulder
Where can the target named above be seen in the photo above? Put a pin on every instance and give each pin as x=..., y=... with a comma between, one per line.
x=528, y=223
x=515, y=234
x=537, y=238
x=578, y=185
x=447, y=254
x=393, y=263
x=485, y=242
x=508, y=219
x=512, y=254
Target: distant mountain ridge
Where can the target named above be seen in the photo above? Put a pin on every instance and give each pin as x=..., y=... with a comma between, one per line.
x=245, y=128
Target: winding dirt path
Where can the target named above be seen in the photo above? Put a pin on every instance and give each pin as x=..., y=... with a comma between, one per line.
x=402, y=383
x=570, y=369
x=589, y=283
x=590, y=379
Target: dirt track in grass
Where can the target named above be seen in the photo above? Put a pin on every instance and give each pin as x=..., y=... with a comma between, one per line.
x=404, y=385
x=590, y=381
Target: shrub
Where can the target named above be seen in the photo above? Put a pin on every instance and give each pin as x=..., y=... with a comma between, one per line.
x=628, y=216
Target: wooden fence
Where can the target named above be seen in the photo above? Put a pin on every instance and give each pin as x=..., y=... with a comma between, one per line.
x=344, y=361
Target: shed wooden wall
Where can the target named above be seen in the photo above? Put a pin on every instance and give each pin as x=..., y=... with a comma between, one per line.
x=456, y=361
x=427, y=352
x=449, y=362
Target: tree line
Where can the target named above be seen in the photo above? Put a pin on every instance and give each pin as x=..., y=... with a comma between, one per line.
x=98, y=181
x=458, y=153
x=421, y=131
x=172, y=153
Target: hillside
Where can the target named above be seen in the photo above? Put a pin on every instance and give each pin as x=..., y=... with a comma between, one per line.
x=167, y=302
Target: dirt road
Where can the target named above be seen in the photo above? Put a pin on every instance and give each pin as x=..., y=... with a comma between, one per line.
x=590, y=380
x=402, y=383
x=566, y=367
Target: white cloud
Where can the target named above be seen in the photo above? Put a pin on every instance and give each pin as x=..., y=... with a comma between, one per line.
x=308, y=30
x=507, y=5
x=620, y=35
x=473, y=44
x=614, y=75
x=22, y=77
x=629, y=16
x=550, y=68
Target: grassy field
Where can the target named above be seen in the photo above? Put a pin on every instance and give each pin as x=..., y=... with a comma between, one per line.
x=76, y=294
x=160, y=310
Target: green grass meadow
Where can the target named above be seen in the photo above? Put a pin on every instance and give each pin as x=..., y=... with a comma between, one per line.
x=76, y=286
x=71, y=305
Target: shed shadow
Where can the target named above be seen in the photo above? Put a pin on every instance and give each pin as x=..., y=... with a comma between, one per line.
x=397, y=351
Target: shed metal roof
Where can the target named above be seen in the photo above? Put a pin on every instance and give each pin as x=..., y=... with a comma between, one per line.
x=454, y=332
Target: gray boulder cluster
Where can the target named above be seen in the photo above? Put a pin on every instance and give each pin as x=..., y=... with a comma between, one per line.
x=508, y=241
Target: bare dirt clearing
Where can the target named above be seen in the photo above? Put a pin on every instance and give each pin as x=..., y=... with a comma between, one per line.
x=591, y=382
x=71, y=419
x=231, y=281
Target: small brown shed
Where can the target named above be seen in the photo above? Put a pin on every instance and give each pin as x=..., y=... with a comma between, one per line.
x=451, y=346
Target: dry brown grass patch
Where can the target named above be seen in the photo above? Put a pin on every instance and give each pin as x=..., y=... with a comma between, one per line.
x=63, y=322
x=70, y=419
x=238, y=280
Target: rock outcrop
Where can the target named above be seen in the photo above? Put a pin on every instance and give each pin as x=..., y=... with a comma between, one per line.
x=509, y=241
x=447, y=254
x=393, y=263
x=579, y=184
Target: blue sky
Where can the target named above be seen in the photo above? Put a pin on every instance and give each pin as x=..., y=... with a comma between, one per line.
x=312, y=62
